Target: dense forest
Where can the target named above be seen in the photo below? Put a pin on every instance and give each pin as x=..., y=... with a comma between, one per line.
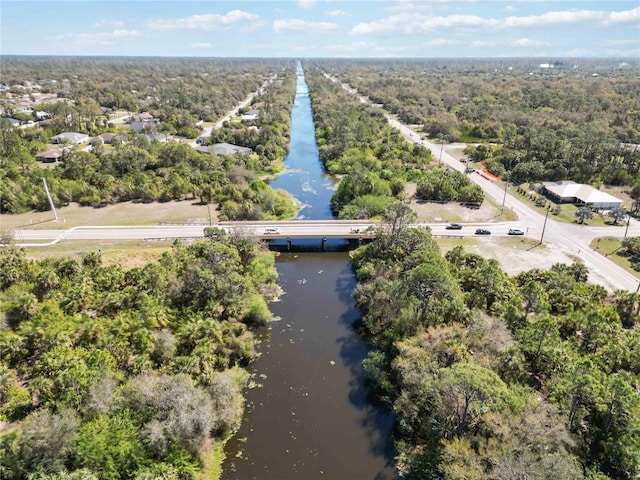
x=371, y=158
x=142, y=169
x=565, y=122
x=127, y=374
x=496, y=377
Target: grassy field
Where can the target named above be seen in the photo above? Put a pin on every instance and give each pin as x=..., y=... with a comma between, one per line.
x=126, y=253
x=126, y=213
x=611, y=247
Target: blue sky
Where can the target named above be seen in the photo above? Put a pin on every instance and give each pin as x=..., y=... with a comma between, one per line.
x=323, y=28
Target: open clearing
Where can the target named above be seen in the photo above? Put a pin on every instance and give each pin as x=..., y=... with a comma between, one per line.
x=513, y=255
x=126, y=213
x=454, y=212
x=126, y=253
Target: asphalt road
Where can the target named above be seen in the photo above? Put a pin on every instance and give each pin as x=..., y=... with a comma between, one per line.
x=293, y=229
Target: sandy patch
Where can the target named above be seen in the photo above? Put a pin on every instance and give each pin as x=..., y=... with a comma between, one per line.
x=520, y=255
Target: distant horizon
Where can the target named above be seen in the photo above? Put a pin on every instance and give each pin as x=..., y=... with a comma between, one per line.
x=377, y=29
x=537, y=59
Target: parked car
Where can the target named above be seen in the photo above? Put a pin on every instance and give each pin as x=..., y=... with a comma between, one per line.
x=454, y=226
x=272, y=231
x=515, y=231
x=482, y=231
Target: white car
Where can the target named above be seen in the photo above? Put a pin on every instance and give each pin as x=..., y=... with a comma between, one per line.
x=272, y=231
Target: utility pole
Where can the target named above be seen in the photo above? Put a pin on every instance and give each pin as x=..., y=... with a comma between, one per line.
x=504, y=197
x=46, y=189
x=628, y=220
x=545, y=223
x=441, y=148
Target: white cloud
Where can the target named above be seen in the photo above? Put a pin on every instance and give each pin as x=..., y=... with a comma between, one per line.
x=104, y=38
x=337, y=13
x=628, y=16
x=109, y=23
x=526, y=42
x=575, y=16
x=297, y=25
x=413, y=23
x=200, y=45
x=509, y=8
x=205, y=22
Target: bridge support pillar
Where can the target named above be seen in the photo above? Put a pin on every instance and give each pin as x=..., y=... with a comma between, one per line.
x=324, y=243
x=288, y=244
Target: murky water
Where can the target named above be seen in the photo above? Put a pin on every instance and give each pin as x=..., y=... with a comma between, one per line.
x=310, y=418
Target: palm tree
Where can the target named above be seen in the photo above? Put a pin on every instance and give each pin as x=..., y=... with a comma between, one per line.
x=584, y=213
x=617, y=213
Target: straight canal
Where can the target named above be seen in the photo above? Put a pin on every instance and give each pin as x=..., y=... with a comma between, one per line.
x=310, y=417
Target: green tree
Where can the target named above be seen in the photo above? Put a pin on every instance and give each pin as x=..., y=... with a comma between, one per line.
x=110, y=445
x=584, y=213
x=617, y=213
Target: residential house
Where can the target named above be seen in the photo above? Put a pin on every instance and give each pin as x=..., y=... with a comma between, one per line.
x=143, y=117
x=224, y=149
x=580, y=194
x=106, y=137
x=137, y=126
x=160, y=137
x=50, y=156
x=70, y=137
x=250, y=116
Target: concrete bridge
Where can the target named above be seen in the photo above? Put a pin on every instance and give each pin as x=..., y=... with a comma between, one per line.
x=264, y=230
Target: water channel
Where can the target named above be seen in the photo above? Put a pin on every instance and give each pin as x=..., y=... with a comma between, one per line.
x=310, y=418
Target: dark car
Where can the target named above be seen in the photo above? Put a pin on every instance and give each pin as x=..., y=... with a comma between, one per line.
x=454, y=226
x=515, y=231
x=482, y=231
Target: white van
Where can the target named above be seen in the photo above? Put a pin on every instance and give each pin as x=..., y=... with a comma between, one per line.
x=272, y=231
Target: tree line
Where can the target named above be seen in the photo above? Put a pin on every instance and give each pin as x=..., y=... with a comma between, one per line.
x=498, y=377
x=372, y=160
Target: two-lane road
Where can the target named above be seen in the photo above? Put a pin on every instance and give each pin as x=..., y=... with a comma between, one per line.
x=263, y=230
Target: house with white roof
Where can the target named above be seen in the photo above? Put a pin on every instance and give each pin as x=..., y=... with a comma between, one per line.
x=70, y=137
x=224, y=149
x=580, y=194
